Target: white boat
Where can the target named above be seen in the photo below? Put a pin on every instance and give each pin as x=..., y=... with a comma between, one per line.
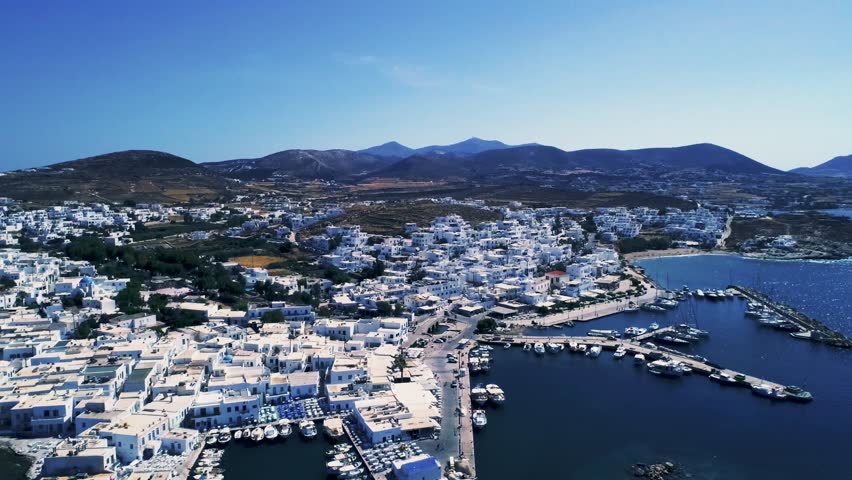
x=527, y=347
x=333, y=427
x=224, y=436
x=479, y=419
x=654, y=326
x=639, y=358
x=700, y=293
x=284, y=428
x=604, y=333
x=334, y=466
x=620, y=352
x=666, y=368
x=555, y=347
x=538, y=348
x=479, y=395
x=257, y=434
x=238, y=434
x=768, y=391
x=308, y=429
x=573, y=346
x=246, y=434
x=212, y=436
x=495, y=393
x=595, y=351
x=634, y=331
x=582, y=348
x=270, y=432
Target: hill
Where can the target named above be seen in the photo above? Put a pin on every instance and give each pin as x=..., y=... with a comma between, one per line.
x=140, y=175
x=836, y=167
x=543, y=159
x=389, y=149
x=302, y=164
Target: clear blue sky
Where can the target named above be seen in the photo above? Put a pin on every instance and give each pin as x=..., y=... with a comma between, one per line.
x=217, y=80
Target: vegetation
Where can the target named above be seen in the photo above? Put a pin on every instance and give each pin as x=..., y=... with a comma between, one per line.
x=641, y=244
x=486, y=325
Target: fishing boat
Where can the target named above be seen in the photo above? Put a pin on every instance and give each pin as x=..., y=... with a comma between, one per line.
x=796, y=394
x=639, y=358
x=479, y=419
x=479, y=395
x=224, y=436
x=308, y=429
x=284, y=428
x=555, y=347
x=257, y=434
x=527, y=347
x=538, y=348
x=333, y=428
x=495, y=394
x=270, y=432
x=594, y=352
x=620, y=352
x=768, y=391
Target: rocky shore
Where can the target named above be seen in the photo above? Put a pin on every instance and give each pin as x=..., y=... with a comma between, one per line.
x=657, y=471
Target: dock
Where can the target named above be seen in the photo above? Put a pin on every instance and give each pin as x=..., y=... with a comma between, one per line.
x=633, y=347
x=818, y=332
x=466, y=451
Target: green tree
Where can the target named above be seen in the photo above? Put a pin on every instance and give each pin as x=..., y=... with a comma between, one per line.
x=273, y=316
x=384, y=308
x=486, y=325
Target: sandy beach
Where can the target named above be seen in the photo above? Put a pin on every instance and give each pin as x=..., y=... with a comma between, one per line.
x=673, y=252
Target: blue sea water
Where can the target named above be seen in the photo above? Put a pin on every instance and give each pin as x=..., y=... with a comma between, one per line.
x=841, y=212
x=570, y=416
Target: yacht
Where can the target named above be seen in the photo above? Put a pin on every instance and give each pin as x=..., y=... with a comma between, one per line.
x=634, y=331
x=224, y=436
x=666, y=368
x=631, y=308
x=284, y=428
x=495, y=394
x=333, y=428
x=257, y=434
x=653, y=308
x=639, y=358
x=699, y=292
x=671, y=340
x=270, y=432
x=479, y=419
x=796, y=394
x=620, y=352
x=334, y=466
x=595, y=351
x=666, y=303
x=479, y=395
x=683, y=328
x=308, y=429
x=768, y=391
x=538, y=348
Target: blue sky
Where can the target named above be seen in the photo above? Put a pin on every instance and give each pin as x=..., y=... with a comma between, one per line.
x=218, y=80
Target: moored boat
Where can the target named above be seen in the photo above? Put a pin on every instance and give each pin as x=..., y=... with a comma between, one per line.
x=639, y=358
x=495, y=394
x=768, y=391
x=666, y=368
x=257, y=434
x=538, y=348
x=479, y=395
x=479, y=419
x=620, y=352
x=270, y=432
x=308, y=429
x=284, y=428
x=595, y=351
x=797, y=394
x=333, y=428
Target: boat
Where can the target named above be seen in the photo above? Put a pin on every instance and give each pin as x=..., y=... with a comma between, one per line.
x=631, y=308
x=212, y=436
x=573, y=346
x=479, y=419
x=538, y=348
x=527, y=347
x=654, y=326
x=667, y=303
x=671, y=340
x=270, y=432
x=695, y=332
x=507, y=345
x=634, y=331
x=639, y=358
x=582, y=348
x=308, y=429
x=620, y=352
x=722, y=378
x=555, y=347
x=257, y=434
x=479, y=395
x=238, y=434
x=224, y=436
x=796, y=394
x=334, y=466
x=649, y=307
x=604, y=333
x=666, y=368
x=333, y=428
x=284, y=428
x=768, y=391
x=699, y=293
x=495, y=394
x=594, y=352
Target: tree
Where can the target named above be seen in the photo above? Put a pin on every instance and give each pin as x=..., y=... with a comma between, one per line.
x=7, y=284
x=384, y=308
x=398, y=309
x=129, y=300
x=273, y=316
x=157, y=302
x=486, y=325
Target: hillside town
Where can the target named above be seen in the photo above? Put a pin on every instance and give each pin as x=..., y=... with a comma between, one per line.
x=127, y=376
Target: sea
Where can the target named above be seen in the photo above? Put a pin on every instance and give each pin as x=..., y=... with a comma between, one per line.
x=569, y=416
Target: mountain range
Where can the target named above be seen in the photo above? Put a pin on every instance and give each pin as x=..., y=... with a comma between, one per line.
x=836, y=167
x=158, y=176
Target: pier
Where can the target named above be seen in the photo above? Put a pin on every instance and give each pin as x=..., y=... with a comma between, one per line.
x=465, y=420
x=633, y=347
x=816, y=330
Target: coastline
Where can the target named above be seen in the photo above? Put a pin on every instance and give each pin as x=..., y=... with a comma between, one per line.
x=673, y=252
x=14, y=453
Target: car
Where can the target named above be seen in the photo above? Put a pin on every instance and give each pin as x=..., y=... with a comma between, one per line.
x=455, y=384
x=452, y=360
